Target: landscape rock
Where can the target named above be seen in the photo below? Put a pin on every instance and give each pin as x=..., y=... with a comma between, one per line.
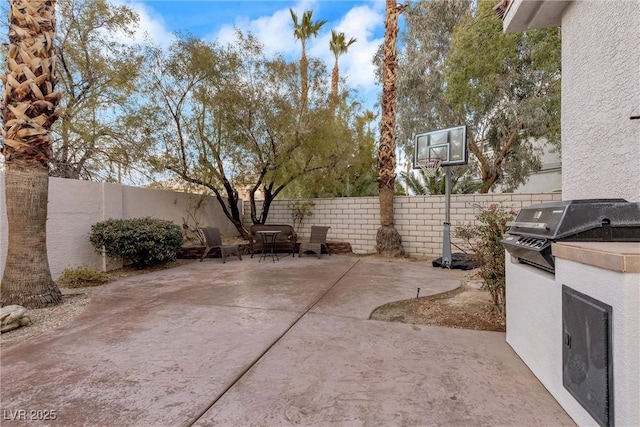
x=13, y=317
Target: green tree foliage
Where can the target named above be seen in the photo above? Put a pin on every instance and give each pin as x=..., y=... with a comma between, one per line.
x=229, y=118
x=484, y=238
x=95, y=137
x=459, y=68
x=186, y=122
x=357, y=170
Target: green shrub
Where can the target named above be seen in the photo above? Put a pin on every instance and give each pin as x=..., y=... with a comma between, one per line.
x=144, y=241
x=484, y=238
x=81, y=277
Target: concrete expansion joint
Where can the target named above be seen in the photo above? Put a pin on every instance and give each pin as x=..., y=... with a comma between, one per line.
x=266, y=351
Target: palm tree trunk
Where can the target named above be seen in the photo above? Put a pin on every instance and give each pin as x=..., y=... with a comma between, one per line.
x=388, y=240
x=27, y=279
x=28, y=111
x=304, y=81
x=335, y=77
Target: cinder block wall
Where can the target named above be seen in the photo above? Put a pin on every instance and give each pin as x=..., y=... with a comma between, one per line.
x=419, y=219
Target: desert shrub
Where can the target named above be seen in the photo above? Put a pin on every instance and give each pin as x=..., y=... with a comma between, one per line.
x=144, y=241
x=300, y=209
x=81, y=277
x=484, y=238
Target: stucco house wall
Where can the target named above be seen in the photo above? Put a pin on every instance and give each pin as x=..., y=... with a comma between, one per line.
x=600, y=159
x=600, y=92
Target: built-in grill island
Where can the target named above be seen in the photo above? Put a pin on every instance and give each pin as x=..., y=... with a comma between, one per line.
x=594, y=293
x=531, y=235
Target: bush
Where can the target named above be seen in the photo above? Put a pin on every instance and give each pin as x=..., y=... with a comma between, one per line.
x=144, y=241
x=484, y=238
x=81, y=277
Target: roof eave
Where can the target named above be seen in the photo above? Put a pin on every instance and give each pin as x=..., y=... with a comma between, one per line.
x=523, y=15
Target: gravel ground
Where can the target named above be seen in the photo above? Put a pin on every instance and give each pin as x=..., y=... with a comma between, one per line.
x=74, y=301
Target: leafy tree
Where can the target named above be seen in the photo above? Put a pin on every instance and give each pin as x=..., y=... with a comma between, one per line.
x=388, y=240
x=28, y=112
x=95, y=138
x=303, y=30
x=426, y=41
x=233, y=119
x=508, y=95
x=360, y=179
x=356, y=170
x=185, y=122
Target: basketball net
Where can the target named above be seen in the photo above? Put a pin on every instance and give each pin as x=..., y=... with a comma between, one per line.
x=429, y=166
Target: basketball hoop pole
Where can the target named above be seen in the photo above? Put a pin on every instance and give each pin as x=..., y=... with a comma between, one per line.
x=449, y=147
x=446, y=233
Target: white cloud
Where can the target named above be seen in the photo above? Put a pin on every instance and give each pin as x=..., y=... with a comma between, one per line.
x=356, y=66
x=276, y=33
x=151, y=26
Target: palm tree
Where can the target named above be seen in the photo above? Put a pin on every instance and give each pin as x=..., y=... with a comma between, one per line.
x=303, y=31
x=338, y=47
x=388, y=240
x=28, y=111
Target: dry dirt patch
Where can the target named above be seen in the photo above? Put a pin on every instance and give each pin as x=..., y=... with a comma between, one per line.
x=465, y=307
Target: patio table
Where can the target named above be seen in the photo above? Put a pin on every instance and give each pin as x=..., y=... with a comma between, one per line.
x=268, y=244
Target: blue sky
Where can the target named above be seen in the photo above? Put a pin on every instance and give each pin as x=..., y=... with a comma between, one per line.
x=271, y=22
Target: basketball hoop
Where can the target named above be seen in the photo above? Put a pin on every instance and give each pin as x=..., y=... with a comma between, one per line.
x=429, y=166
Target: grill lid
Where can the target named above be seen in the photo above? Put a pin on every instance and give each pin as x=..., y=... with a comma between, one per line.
x=613, y=219
x=530, y=236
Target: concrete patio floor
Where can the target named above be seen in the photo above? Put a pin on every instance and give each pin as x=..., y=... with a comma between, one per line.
x=269, y=344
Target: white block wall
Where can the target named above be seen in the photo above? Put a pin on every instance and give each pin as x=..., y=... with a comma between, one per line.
x=418, y=218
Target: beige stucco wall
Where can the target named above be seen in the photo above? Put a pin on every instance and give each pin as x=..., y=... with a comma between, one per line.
x=74, y=206
x=600, y=92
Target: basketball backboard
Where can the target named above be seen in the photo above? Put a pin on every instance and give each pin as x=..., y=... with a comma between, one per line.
x=449, y=145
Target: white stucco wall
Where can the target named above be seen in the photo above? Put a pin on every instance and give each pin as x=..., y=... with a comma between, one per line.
x=534, y=329
x=622, y=292
x=74, y=206
x=172, y=205
x=600, y=159
x=600, y=92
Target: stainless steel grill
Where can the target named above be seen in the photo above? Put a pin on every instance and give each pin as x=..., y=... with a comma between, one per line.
x=535, y=228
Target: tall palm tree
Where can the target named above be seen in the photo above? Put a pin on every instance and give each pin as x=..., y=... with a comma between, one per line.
x=388, y=240
x=303, y=31
x=28, y=111
x=338, y=46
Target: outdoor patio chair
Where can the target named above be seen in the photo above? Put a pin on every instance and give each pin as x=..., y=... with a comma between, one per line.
x=213, y=241
x=317, y=241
